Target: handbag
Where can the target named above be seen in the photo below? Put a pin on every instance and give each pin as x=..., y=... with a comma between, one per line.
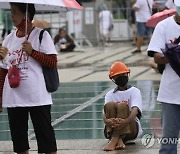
x=51, y=75
x=14, y=75
x=51, y=78
x=111, y=27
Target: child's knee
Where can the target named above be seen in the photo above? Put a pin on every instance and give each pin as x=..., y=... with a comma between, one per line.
x=122, y=106
x=109, y=105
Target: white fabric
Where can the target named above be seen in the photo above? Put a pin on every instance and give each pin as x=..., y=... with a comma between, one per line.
x=45, y=5
x=165, y=32
x=105, y=20
x=143, y=14
x=169, y=4
x=177, y=2
x=32, y=90
x=132, y=96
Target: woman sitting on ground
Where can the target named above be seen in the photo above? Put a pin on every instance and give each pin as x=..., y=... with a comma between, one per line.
x=63, y=42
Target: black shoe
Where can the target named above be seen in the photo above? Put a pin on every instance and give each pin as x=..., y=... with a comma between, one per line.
x=136, y=51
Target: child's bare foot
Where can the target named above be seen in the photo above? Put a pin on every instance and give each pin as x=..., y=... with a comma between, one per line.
x=120, y=145
x=112, y=144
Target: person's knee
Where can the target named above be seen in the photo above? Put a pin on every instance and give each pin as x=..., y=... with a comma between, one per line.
x=122, y=106
x=109, y=105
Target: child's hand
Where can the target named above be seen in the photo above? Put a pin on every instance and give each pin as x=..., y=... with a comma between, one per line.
x=119, y=123
x=110, y=122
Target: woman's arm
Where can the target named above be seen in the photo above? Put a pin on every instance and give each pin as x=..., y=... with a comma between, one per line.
x=45, y=59
x=48, y=60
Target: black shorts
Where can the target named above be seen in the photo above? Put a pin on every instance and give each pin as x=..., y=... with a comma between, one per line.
x=41, y=119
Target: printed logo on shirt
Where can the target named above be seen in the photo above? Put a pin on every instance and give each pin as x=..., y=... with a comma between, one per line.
x=127, y=102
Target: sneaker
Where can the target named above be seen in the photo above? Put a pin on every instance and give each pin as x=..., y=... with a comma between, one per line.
x=136, y=51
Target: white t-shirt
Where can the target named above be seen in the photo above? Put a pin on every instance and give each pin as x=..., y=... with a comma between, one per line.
x=132, y=96
x=165, y=32
x=169, y=4
x=105, y=20
x=143, y=14
x=32, y=90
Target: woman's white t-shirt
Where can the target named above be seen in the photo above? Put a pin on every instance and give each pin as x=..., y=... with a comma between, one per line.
x=166, y=31
x=32, y=90
x=131, y=96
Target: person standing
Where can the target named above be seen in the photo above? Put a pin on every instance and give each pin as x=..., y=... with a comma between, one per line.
x=122, y=109
x=143, y=9
x=105, y=24
x=31, y=96
x=167, y=31
x=133, y=23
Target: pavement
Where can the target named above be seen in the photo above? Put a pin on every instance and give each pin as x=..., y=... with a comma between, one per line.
x=92, y=64
x=93, y=146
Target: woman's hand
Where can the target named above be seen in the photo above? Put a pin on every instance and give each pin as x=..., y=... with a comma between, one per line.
x=27, y=47
x=3, y=52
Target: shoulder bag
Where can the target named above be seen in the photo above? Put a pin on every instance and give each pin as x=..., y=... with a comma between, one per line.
x=51, y=75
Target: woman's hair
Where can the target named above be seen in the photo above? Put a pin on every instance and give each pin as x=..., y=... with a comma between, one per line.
x=61, y=29
x=22, y=8
x=57, y=37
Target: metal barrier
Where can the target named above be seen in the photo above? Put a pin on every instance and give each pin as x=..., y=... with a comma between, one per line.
x=84, y=25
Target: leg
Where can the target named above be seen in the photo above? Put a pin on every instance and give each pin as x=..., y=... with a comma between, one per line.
x=170, y=124
x=41, y=119
x=139, y=42
x=123, y=112
x=18, y=122
x=141, y=29
x=113, y=110
x=134, y=34
x=70, y=47
x=133, y=131
x=110, y=112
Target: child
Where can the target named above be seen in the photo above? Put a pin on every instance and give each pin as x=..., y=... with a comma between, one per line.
x=122, y=109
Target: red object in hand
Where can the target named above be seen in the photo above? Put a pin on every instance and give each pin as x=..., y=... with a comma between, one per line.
x=13, y=77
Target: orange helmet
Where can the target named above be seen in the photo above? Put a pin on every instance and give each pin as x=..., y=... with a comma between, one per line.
x=118, y=68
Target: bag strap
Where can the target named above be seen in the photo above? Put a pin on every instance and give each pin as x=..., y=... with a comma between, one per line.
x=41, y=36
x=150, y=10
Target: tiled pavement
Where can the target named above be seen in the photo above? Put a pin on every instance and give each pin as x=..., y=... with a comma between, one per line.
x=92, y=64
